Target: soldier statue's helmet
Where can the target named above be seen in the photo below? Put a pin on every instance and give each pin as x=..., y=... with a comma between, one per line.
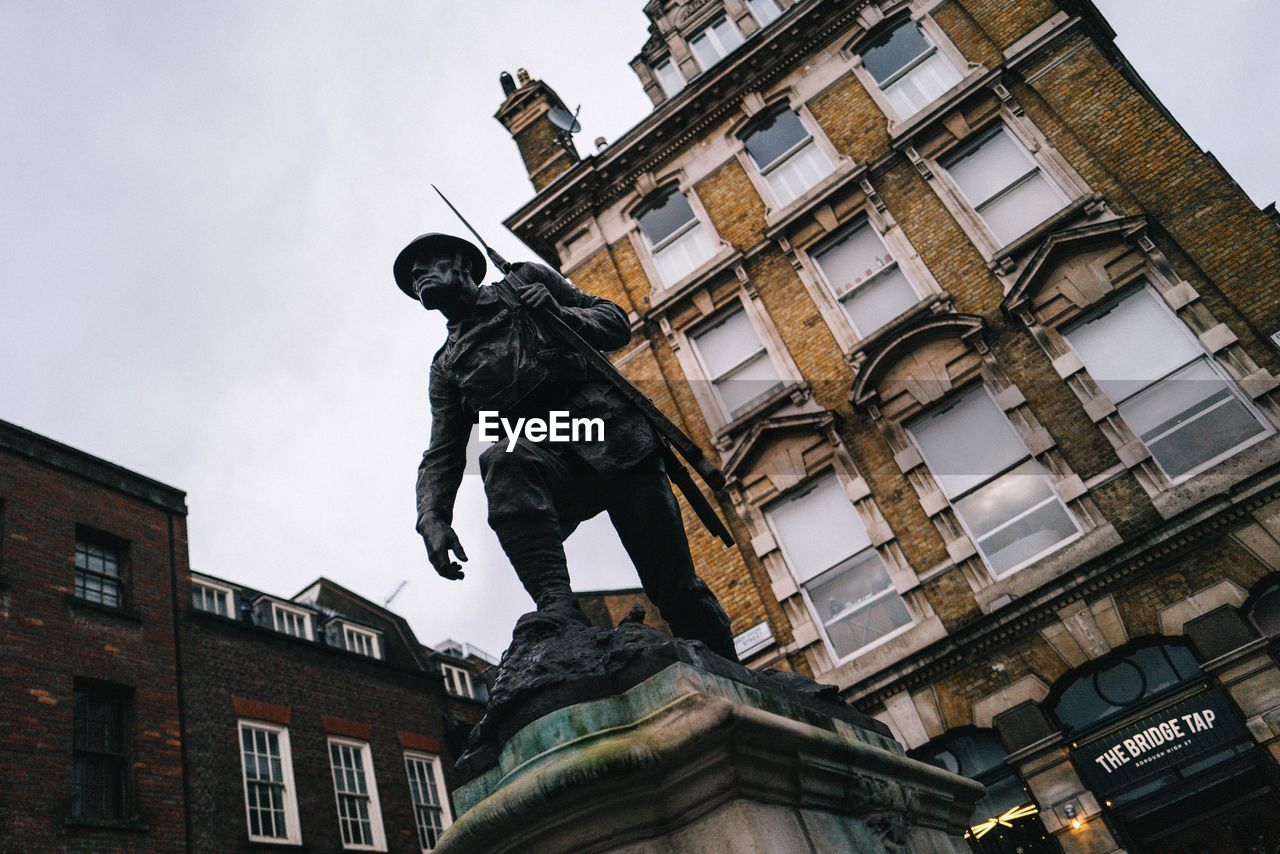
x=436, y=245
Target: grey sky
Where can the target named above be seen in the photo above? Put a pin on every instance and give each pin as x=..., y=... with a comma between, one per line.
x=201, y=203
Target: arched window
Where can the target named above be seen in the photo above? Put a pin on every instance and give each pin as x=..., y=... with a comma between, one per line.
x=1005, y=819
x=1120, y=683
x=1263, y=607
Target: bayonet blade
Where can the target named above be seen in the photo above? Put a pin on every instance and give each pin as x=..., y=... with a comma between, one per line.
x=497, y=259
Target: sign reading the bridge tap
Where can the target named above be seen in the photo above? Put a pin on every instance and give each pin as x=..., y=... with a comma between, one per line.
x=1161, y=740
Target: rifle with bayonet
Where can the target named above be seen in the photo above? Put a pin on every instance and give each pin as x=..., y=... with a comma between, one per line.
x=671, y=436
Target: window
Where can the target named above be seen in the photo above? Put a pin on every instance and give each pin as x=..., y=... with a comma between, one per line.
x=766, y=11
x=865, y=278
x=457, y=681
x=908, y=68
x=98, y=573
x=211, y=598
x=735, y=361
x=1000, y=494
x=1264, y=610
x=271, y=805
x=676, y=239
x=830, y=554
x=426, y=788
x=669, y=77
x=100, y=752
x=715, y=42
x=785, y=154
x=359, y=816
x=1117, y=685
x=1004, y=185
x=291, y=621
x=1165, y=387
x=361, y=641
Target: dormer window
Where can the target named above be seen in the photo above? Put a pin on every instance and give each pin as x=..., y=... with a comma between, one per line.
x=295, y=622
x=211, y=598
x=361, y=641
x=766, y=11
x=715, y=42
x=785, y=153
x=908, y=67
x=669, y=78
x=676, y=239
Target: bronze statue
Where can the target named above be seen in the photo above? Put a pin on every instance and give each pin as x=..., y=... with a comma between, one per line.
x=506, y=351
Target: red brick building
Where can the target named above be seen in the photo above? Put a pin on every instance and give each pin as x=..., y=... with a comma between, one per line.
x=147, y=708
x=984, y=342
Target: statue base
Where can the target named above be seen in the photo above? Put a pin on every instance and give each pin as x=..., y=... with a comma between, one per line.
x=690, y=760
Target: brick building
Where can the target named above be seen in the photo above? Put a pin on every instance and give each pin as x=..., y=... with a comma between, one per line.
x=149, y=708
x=980, y=337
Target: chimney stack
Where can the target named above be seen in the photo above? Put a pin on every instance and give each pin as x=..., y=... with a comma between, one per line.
x=524, y=114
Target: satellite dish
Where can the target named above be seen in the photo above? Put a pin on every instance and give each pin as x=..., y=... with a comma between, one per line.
x=565, y=121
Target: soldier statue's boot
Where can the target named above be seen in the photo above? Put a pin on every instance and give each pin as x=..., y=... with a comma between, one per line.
x=539, y=561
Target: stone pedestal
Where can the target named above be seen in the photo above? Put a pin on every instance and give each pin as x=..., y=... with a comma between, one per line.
x=690, y=761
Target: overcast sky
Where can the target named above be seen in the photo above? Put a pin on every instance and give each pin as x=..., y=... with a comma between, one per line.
x=200, y=204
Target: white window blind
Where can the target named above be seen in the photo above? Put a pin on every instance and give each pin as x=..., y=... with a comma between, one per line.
x=908, y=68
x=736, y=361
x=715, y=42
x=786, y=155
x=678, y=242
x=669, y=77
x=865, y=277
x=1002, y=182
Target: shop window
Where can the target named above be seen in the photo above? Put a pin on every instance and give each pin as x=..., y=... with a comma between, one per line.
x=766, y=11
x=100, y=762
x=1117, y=685
x=828, y=551
x=908, y=67
x=1004, y=185
x=669, y=78
x=865, y=278
x=999, y=492
x=356, y=790
x=211, y=598
x=786, y=154
x=271, y=805
x=98, y=575
x=715, y=42
x=1264, y=610
x=426, y=787
x=1169, y=392
x=1006, y=818
x=676, y=239
x=735, y=361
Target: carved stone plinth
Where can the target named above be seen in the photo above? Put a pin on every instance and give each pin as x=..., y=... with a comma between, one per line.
x=691, y=761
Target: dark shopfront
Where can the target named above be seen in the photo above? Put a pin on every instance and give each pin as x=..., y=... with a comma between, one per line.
x=1167, y=755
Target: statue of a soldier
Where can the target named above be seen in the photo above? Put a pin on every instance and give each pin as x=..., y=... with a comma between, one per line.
x=498, y=357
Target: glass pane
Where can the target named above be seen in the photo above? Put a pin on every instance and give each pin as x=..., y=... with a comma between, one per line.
x=1028, y=537
x=727, y=342
x=728, y=34
x=803, y=169
x=1132, y=344
x=990, y=166
x=748, y=383
x=818, y=529
x=967, y=442
x=1190, y=418
x=766, y=11
x=872, y=305
x=669, y=77
x=922, y=85
x=868, y=624
x=852, y=258
x=842, y=590
x=1265, y=612
x=705, y=51
x=888, y=53
x=1021, y=209
x=683, y=255
x=774, y=136
x=1003, y=498
x=664, y=216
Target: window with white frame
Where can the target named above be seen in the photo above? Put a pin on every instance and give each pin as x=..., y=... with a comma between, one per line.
x=1004, y=185
x=457, y=681
x=1171, y=393
x=735, y=361
x=291, y=621
x=677, y=241
x=359, y=815
x=766, y=11
x=211, y=598
x=426, y=789
x=1000, y=493
x=908, y=67
x=361, y=641
x=669, y=78
x=827, y=549
x=785, y=153
x=97, y=573
x=271, y=805
x=716, y=41
x=864, y=277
